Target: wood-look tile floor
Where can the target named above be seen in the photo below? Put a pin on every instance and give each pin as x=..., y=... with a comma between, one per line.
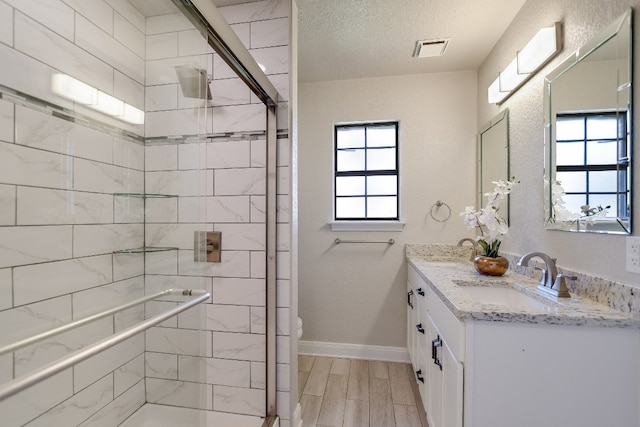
x=337, y=392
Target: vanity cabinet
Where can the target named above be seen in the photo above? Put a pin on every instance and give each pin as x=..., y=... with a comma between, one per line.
x=438, y=370
x=505, y=373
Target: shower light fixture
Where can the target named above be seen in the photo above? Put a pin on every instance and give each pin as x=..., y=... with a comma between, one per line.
x=77, y=91
x=541, y=48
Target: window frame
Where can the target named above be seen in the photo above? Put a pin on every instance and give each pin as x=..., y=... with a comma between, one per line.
x=368, y=220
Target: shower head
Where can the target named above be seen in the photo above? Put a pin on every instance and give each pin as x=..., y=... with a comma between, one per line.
x=194, y=82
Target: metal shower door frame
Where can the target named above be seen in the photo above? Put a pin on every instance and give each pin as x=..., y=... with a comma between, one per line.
x=226, y=43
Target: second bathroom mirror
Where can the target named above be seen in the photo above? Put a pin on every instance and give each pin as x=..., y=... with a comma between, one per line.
x=493, y=157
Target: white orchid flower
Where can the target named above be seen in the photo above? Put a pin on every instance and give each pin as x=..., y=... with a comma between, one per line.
x=487, y=220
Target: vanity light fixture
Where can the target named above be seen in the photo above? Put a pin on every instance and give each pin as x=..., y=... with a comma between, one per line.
x=541, y=48
x=80, y=92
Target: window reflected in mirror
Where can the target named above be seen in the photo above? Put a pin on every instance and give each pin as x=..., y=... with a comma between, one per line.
x=592, y=163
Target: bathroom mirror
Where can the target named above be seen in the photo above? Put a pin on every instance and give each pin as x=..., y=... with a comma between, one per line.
x=493, y=157
x=588, y=135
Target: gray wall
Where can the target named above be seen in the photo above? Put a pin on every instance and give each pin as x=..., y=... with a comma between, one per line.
x=355, y=293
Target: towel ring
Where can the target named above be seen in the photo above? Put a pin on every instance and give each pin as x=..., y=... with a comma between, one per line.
x=439, y=204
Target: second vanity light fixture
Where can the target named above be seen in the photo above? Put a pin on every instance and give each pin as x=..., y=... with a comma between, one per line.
x=80, y=92
x=541, y=48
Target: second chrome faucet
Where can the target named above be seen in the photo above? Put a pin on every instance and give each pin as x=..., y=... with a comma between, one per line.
x=474, y=252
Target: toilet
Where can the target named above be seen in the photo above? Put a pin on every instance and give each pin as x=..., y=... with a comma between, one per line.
x=299, y=328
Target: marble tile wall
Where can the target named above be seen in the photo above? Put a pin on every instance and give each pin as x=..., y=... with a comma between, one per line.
x=221, y=186
x=60, y=222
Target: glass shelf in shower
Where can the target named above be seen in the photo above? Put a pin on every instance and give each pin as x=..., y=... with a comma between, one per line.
x=145, y=249
x=146, y=195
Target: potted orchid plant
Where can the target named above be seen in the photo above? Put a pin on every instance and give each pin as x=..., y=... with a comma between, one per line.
x=491, y=227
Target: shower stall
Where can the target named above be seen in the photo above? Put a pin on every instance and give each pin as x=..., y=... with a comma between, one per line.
x=136, y=138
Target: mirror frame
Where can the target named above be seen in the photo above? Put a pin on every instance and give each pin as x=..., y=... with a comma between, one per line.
x=501, y=118
x=623, y=23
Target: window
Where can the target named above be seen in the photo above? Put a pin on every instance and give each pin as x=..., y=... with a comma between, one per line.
x=366, y=172
x=592, y=161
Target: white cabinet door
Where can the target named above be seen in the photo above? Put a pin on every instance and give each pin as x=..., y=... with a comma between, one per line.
x=417, y=343
x=444, y=390
x=452, y=391
x=420, y=350
x=422, y=376
x=420, y=321
x=434, y=386
x=411, y=316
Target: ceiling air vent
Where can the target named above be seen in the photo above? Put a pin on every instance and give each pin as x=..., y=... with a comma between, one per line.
x=428, y=48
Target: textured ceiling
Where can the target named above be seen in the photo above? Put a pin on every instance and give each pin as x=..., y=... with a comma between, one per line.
x=349, y=39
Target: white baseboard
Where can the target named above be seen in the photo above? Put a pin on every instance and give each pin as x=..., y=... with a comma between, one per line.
x=354, y=351
x=297, y=417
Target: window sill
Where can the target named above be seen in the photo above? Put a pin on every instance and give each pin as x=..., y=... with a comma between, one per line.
x=366, y=225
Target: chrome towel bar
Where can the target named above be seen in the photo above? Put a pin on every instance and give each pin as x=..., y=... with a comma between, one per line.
x=69, y=326
x=389, y=242
x=19, y=384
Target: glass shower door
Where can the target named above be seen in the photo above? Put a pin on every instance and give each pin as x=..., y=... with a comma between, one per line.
x=123, y=136
x=178, y=71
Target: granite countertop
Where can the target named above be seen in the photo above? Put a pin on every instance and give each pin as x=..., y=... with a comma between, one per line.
x=449, y=276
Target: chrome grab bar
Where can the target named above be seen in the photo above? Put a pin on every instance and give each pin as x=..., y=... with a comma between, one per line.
x=19, y=384
x=389, y=242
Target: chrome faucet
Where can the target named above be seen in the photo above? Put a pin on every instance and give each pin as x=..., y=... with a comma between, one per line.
x=474, y=252
x=551, y=282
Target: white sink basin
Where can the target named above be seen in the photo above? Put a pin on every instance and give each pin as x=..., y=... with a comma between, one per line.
x=504, y=295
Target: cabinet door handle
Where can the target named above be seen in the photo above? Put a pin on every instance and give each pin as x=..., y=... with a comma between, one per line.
x=420, y=291
x=420, y=328
x=419, y=375
x=409, y=298
x=435, y=343
x=438, y=363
